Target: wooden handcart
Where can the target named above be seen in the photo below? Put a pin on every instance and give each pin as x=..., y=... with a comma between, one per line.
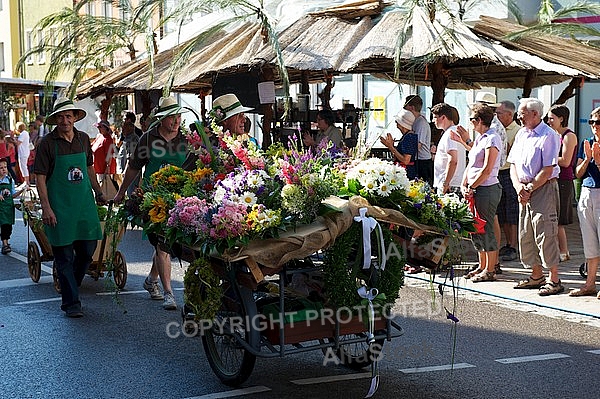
x=241, y=331
x=31, y=209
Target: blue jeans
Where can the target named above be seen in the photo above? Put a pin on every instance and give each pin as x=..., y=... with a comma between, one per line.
x=72, y=262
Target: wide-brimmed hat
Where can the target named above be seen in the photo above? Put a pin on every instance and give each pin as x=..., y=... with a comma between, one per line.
x=168, y=106
x=226, y=106
x=103, y=123
x=405, y=119
x=485, y=97
x=65, y=104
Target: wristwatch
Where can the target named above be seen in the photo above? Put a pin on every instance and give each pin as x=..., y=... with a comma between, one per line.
x=468, y=142
x=529, y=187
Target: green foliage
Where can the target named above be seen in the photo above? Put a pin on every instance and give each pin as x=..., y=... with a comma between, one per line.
x=202, y=289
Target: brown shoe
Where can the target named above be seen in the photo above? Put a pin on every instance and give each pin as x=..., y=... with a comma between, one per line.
x=531, y=283
x=583, y=292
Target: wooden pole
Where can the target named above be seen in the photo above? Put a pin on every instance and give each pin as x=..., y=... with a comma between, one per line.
x=267, y=75
x=528, y=84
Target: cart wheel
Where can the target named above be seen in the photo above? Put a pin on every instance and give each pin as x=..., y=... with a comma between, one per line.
x=227, y=358
x=55, y=278
x=358, y=355
x=120, y=270
x=583, y=270
x=34, y=261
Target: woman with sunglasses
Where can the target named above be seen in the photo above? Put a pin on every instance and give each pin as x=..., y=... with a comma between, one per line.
x=588, y=208
x=480, y=182
x=558, y=119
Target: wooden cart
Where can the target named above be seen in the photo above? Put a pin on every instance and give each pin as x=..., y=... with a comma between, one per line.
x=31, y=209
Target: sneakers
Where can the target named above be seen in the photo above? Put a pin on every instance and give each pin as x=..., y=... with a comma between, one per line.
x=74, y=312
x=169, y=302
x=509, y=254
x=153, y=288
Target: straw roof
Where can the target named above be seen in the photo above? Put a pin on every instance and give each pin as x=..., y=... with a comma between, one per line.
x=551, y=48
x=358, y=38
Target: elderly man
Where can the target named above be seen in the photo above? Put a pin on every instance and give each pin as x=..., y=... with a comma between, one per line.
x=163, y=144
x=64, y=169
x=534, y=171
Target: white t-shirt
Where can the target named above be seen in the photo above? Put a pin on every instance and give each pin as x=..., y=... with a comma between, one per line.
x=23, y=140
x=442, y=157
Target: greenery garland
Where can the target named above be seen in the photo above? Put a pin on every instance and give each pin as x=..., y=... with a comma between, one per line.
x=202, y=289
x=343, y=273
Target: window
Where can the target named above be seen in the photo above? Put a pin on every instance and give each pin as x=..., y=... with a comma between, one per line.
x=90, y=8
x=29, y=44
x=40, y=42
x=1, y=53
x=107, y=9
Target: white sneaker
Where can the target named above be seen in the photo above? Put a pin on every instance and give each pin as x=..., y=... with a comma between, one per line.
x=153, y=288
x=169, y=302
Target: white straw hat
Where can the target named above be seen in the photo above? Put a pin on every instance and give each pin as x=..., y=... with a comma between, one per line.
x=227, y=106
x=485, y=97
x=63, y=104
x=405, y=119
x=168, y=106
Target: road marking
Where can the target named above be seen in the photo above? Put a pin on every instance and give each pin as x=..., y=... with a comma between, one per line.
x=595, y=351
x=38, y=301
x=332, y=378
x=235, y=392
x=23, y=259
x=23, y=282
x=130, y=292
x=534, y=358
x=455, y=366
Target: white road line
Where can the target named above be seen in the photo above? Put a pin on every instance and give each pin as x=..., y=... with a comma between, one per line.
x=21, y=258
x=235, y=392
x=24, y=282
x=332, y=378
x=595, y=351
x=131, y=292
x=455, y=366
x=534, y=358
x=38, y=301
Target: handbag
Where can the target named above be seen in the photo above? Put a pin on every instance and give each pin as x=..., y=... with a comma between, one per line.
x=108, y=187
x=479, y=223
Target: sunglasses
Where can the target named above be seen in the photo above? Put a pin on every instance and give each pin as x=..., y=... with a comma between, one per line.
x=473, y=119
x=594, y=122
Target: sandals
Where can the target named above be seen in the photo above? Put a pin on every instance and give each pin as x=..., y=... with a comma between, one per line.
x=531, y=283
x=551, y=288
x=497, y=269
x=6, y=249
x=583, y=292
x=473, y=273
x=484, y=276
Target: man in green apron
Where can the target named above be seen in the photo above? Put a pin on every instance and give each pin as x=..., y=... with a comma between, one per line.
x=64, y=169
x=163, y=144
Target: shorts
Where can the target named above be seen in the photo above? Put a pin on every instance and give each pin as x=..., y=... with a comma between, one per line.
x=486, y=203
x=508, y=208
x=566, y=191
x=538, y=227
x=588, y=210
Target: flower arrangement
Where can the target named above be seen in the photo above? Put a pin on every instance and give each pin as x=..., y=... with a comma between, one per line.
x=382, y=183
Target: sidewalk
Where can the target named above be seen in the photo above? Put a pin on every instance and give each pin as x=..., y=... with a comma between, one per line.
x=584, y=309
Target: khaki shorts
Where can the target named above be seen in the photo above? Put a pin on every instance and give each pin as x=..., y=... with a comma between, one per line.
x=538, y=227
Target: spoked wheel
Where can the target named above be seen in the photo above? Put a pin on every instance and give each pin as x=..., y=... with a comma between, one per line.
x=360, y=354
x=55, y=278
x=229, y=360
x=583, y=270
x=120, y=270
x=34, y=261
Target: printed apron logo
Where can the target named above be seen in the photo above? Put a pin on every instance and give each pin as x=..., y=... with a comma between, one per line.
x=6, y=193
x=75, y=175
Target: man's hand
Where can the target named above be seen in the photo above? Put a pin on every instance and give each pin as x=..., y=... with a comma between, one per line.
x=48, y=216
x=524, y=194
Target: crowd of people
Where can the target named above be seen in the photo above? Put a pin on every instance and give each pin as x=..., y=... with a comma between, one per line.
x=517, y=169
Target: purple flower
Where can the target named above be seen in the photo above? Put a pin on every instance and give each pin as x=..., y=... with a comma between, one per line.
x=418, y=205
x=451, y=316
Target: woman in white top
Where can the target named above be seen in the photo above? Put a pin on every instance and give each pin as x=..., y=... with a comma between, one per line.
x=23, y=151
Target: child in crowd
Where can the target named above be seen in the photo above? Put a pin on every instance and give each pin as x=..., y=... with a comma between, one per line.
x=7, y=209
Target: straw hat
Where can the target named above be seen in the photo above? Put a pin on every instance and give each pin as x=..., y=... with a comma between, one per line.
x=485, y=97
x=63, y=104
x=405, y=119
x=228, y=105
x=168, y=106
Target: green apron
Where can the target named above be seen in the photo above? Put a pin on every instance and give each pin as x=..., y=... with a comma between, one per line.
x=71, y=199
x=159, y=159
x=7, y=208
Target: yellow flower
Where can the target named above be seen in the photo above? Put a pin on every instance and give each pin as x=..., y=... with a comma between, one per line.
x=158, y=213
x=200, y=174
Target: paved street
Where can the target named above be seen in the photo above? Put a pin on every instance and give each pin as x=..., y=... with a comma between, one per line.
x=509, y=344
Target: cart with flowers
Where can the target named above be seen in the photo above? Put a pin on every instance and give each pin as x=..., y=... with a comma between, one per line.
x=278, y=263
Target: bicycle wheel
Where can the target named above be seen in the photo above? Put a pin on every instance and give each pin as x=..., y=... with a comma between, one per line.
x=228, y=359
x=357, y=355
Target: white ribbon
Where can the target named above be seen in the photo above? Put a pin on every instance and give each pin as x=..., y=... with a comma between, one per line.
x=370, y=295
x=368, y=225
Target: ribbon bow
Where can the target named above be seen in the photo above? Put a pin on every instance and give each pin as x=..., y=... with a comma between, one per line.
x=370, y=295
x=368, y=225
